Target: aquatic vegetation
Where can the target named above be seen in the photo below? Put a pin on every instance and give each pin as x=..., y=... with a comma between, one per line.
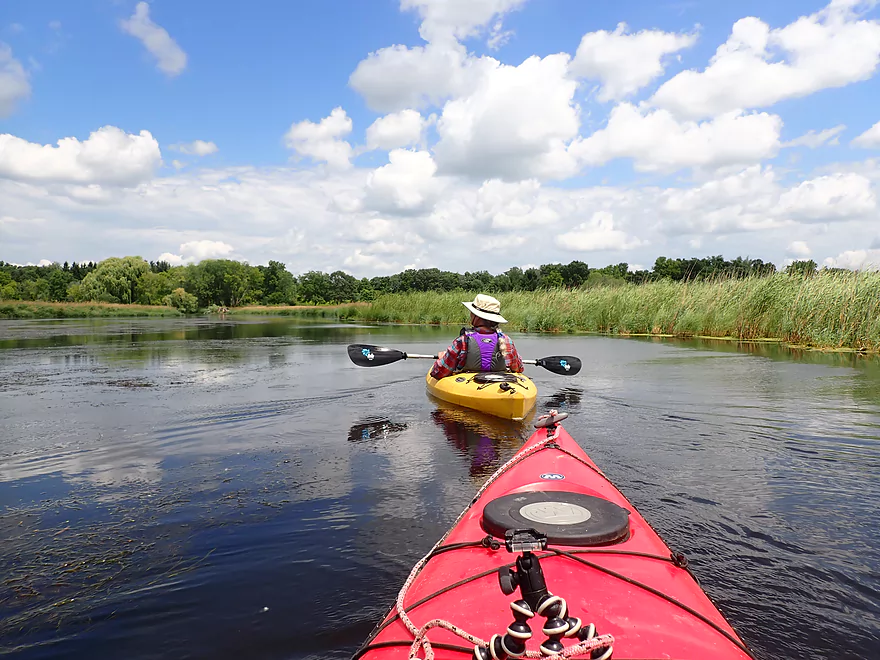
x=26, y=309
x=826, y=310
x=344, y=311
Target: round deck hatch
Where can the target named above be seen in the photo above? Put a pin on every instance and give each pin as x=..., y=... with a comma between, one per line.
x=566, y=518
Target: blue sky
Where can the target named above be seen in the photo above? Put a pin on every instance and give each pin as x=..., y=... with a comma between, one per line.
x=509, y=154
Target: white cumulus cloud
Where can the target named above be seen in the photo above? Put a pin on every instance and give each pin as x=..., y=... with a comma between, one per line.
x=657, y=141
x=399, y=129
x=372, y=230
x=514, y=205
x=196, y=251
x=515, y=125
x=737, y=202
x=758, y=66
x=196, y=148
x=855, y=260
x=14, y=83
x=798, y=249
x=109, y=155
x=322, y=141
x=398, y=77
x=170, y=58
x=598, y=233
x=870, y=139
x=457, y=19
x=405, y=185
x=624, y=63
x=833, y=197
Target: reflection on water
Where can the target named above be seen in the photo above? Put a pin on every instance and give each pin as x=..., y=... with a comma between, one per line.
x=374, y=428
x=237, y=488
x=567, y=399
x=483, y=439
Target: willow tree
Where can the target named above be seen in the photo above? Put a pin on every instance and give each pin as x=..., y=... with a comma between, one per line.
x=116, y=278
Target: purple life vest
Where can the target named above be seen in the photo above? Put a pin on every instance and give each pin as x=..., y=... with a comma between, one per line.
x=484, y=352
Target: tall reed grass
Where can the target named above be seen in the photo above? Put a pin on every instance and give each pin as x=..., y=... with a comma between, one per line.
x=343, y=311
x=26, y=309
x=828, y=310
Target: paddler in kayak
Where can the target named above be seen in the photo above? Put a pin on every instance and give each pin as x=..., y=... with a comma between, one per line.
x=482, y=348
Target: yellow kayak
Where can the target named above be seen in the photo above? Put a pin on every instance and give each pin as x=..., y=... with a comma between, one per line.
x=506, y=395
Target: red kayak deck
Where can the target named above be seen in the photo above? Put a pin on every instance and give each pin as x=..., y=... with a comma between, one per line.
x=632, y=588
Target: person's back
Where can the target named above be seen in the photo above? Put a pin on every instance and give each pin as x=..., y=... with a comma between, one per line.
x=484, y=348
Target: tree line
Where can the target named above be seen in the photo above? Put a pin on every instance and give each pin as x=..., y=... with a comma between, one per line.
x=229, y=283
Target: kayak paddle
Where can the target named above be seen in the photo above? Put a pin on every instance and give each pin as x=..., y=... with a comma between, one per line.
x=367, y=355
x=564, y=365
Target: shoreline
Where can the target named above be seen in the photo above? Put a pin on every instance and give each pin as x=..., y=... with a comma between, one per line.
x=828, y=313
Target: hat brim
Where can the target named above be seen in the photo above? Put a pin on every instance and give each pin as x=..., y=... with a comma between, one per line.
x=489, y=316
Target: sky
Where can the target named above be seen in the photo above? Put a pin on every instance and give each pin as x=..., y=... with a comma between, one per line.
x=459, y=134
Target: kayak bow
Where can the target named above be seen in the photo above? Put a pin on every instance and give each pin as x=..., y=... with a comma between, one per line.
x=547, y=546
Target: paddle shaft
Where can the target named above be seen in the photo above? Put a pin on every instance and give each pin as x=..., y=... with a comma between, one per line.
x=434, y=357
x=367, y=355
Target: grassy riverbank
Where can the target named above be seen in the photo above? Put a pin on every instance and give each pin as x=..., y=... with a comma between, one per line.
x=28, y=309
x=829, y=310
x=319, y=311
x=839, y=310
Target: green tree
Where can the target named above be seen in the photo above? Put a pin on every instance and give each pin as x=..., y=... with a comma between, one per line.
x=618, y=271
x=279, y=286
x=804, y=268
x=670, y=268
x=155, y=286
x=366, y=292
x=343, y=287
x=552, y=280
x=182, y=301
x=116, y=279
x=314, y=287
x=575, y=273
x=75, y=292
x=59, y=280
x=516, y=277
x=8, y=287
x=223, y=282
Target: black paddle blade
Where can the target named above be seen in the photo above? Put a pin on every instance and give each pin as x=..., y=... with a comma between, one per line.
x=366, y=355
x=564, y=365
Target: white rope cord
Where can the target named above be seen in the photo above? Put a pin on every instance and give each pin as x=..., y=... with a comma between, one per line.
x=420, y=637
x=570, y=652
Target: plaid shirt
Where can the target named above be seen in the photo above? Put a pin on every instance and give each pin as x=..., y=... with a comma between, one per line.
x=453, y=358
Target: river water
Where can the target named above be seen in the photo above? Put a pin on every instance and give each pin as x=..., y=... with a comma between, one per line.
x=204, y=489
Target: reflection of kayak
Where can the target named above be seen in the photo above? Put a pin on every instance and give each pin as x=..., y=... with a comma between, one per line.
x=600, y=556
x=481, y=440
x=507, y=395
x=512, y=432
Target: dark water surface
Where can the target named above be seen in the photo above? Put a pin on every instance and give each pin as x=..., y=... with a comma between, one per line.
x=197, y=489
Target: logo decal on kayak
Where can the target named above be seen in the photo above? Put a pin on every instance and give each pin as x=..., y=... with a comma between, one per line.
x=367, y=353
x=565, y=365
x=552, y=476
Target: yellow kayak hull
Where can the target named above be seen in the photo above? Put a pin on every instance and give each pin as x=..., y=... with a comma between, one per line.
x=509, y=400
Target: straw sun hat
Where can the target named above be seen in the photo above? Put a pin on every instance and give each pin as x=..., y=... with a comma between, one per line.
x=486, y=307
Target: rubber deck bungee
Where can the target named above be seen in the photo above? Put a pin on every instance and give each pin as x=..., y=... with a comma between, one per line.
x=506, y=395
x=601, y=557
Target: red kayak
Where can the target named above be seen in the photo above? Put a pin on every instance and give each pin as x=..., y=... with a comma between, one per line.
x=551, y=560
